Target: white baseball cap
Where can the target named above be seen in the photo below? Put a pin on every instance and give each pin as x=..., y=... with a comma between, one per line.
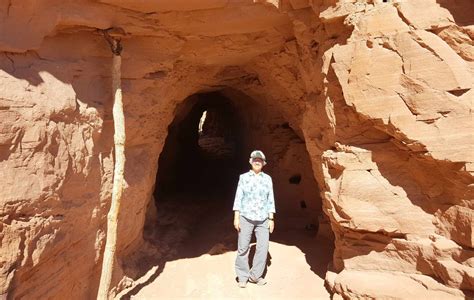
x=257, y=154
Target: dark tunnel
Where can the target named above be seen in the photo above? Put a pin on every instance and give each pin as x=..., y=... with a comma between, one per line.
x=203, y=152
x=207, y=148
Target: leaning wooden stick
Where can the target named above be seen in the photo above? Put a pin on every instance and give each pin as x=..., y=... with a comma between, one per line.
x=119, y=143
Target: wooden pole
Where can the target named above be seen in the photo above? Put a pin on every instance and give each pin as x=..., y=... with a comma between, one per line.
x=119, y=143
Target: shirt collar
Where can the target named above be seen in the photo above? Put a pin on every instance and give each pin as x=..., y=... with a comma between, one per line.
x=252, y=173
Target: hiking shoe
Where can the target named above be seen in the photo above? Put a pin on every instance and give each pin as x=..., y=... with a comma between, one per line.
x=242, y=284
x=260, y=281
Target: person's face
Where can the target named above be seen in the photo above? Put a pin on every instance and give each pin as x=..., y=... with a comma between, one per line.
x=257, y=164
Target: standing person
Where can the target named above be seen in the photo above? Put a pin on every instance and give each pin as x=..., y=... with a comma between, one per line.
x=254, y=207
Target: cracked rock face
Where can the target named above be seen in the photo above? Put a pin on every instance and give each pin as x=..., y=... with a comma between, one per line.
x=381, y=93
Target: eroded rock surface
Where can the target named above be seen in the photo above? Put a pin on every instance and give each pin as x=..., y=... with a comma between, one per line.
x=381, y=93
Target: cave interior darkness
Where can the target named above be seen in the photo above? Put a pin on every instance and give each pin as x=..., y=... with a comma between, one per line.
x=205, y=161
x=206, y=149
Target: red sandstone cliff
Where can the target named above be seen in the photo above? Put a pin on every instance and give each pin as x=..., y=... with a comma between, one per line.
x=380, y=92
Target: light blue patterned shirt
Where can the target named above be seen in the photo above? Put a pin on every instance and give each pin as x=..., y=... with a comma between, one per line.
x=254, y=196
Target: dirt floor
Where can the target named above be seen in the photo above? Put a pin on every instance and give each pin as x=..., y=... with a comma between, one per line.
x=197, y=246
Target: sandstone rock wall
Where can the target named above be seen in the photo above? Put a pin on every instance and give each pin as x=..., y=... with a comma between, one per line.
x=380, y=92
x=399, y=176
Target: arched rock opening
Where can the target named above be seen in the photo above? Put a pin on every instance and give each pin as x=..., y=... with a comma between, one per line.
x=198, y=173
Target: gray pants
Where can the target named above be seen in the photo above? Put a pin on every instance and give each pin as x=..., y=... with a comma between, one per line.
x=262, y=234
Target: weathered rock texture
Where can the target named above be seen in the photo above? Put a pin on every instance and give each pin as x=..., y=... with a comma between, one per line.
x=381, y=93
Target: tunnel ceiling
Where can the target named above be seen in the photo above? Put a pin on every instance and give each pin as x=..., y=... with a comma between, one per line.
x=171, y=30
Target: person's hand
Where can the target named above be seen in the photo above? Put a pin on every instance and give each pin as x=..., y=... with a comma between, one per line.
x=237, y=224
x=271, y=225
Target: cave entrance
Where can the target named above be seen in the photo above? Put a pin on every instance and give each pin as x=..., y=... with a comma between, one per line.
x=202, y=149
x=206, y=149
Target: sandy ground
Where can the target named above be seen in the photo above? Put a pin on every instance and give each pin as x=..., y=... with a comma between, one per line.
x=212, y=277
x=198, y=256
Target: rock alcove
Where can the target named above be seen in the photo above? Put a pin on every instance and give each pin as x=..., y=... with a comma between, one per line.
x=190, y=212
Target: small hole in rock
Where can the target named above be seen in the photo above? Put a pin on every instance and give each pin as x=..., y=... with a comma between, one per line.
x=458, y=93
x=295, y=179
